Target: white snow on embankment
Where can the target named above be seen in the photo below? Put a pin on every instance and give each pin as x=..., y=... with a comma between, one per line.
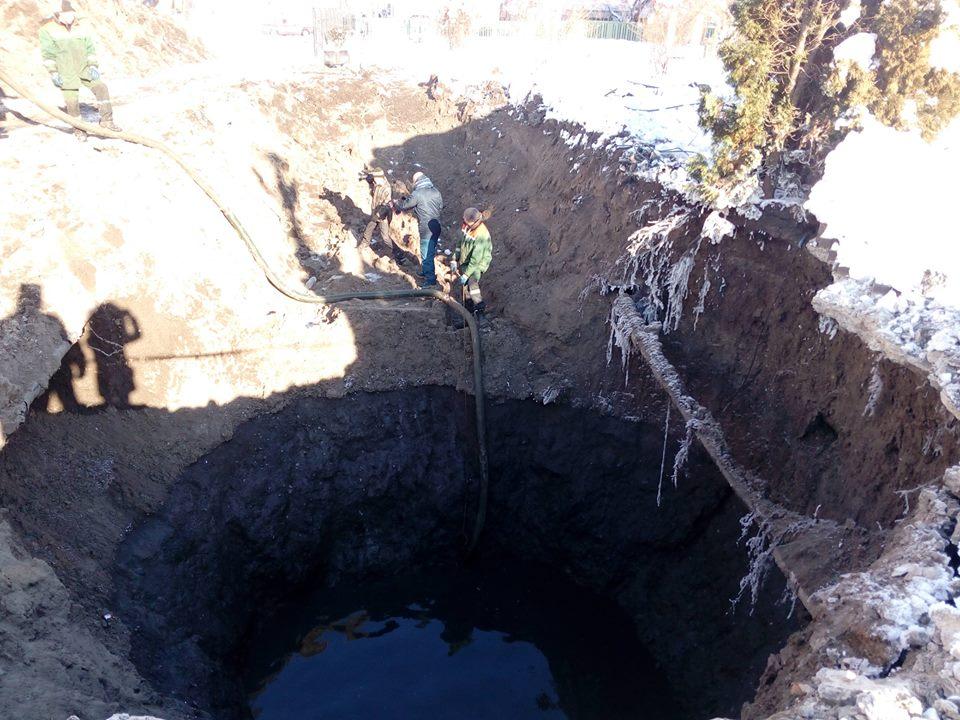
x=888, y=200
x=614, y=87
x=607, y=86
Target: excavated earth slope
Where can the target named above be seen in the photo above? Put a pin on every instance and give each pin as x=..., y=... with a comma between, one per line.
x=142, y=346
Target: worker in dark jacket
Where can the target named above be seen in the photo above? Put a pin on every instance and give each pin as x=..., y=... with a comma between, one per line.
x=71, y=59
x=476, y=253
x=427, y=202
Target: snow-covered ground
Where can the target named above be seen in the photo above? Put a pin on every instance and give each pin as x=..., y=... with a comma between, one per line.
x=887, y=196
x=607, y=86
x=889, y=199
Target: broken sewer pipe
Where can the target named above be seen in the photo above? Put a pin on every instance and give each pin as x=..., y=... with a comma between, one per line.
x=300, y=296
x=776, y=524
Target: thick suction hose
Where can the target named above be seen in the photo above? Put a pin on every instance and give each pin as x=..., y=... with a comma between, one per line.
x=300, y=295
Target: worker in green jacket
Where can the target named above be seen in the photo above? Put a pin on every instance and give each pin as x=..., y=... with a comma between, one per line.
x=476, y=252
x=70, y=57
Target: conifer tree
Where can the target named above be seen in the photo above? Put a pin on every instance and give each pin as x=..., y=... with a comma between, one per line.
x=790, y=94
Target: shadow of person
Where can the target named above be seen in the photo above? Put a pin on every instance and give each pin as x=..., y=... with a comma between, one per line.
x=72, y=368
x=290, y=198
x=110, y=329
x=28, y=323
x=356, y=220
x=29, y=301
x=351, y=216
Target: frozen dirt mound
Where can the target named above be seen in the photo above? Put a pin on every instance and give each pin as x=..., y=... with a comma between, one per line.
x=77, y=249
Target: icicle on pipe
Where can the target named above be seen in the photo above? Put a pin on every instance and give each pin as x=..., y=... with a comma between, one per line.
x=628, y=328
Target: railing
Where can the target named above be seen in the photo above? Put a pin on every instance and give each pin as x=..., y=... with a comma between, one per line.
x=591, y=29
x=333, y=25
x=612, y=30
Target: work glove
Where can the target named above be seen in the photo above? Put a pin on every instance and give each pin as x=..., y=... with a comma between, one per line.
x=94, y=73
x=56, y=80
x=464, y=279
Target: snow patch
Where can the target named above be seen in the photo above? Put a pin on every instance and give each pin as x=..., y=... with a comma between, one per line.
x=716, y=227
x=851, y=13
x=858, y=49
x=887, y=197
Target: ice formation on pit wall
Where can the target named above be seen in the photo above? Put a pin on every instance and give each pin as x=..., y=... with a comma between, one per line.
x=716, y=227
x=683, y=454
x=874, y=390
x=917, y=332
x=656, y=274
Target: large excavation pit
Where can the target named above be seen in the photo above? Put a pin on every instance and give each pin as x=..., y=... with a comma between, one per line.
x=277, y=541
x=227, y=505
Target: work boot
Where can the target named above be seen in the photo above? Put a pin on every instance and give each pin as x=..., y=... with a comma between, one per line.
x=479, y=309
x=80, y=135
x=109, y=125
x=426, y=283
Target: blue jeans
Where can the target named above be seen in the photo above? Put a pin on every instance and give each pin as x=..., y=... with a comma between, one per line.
x=428, y=249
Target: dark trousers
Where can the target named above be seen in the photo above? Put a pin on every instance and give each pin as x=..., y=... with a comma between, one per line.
x=100, y=92
x=428, y=250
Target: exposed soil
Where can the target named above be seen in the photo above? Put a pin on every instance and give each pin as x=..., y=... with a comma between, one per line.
x=210, y=465
x=792, y=399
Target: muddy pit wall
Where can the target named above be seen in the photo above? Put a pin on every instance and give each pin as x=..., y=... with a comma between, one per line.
x=833, y=427
x=791, y=391
x=794, y=401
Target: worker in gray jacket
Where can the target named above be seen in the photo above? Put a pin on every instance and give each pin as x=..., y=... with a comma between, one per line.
x=427, y=202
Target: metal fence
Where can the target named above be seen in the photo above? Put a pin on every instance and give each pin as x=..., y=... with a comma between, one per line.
x=332, y=26
x=611, y=30
x=591, y=29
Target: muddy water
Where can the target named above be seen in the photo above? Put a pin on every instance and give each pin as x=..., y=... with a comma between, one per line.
x=511, y=642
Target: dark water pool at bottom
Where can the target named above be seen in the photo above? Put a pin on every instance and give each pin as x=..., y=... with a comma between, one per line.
x=510, y=642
